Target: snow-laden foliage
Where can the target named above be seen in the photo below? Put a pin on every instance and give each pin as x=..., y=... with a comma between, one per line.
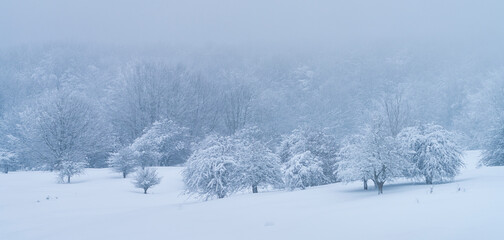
x=354, y=163
x=7, y=160
x=146, y=178
x=375, y=155
x=165, y=143
x=432, y=151
x=303, y=170
x=222, y=165
x=212, y=170
x=386, y=156
x=494, y=152
x=258, y=165
x=70, y=167
x=322, y=146
x=123, y=161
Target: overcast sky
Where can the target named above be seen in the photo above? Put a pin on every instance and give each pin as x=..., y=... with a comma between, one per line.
x=249, y=22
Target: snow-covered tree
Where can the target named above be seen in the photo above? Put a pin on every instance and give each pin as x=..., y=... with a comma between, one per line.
x=61, y=126
x=303, y=170
x=319, y=144
x=123, y=161
x=494, y=152
x=222, y=165
x=380, y=159
x=353, y=162
x=165, y=143
x=70, y=167
x=7, y=160
x=387, y=158
x=432, y=151
x=258, y=165
x=146, y=178
x=212, y=170
x=145, y=151
x=261, y=167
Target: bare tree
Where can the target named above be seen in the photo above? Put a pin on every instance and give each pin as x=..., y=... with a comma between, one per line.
x=396, y=112
x=202, y=107
x=236, y=108
x=62, y=129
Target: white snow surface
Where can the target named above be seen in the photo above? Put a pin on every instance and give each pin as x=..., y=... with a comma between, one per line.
x=103, y=205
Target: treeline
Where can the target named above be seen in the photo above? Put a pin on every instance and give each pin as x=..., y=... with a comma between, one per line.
x=63, y=107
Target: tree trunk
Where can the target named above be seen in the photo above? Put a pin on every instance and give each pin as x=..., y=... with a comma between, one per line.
x=6, y=169
x=428, y=180
x=380, y=187
x=365, y=183
x=124, y=174
x=145, y=190
x=254, y=189
x=68, y=179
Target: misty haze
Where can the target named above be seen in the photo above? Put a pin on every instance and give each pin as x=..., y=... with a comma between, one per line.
x=221, y=119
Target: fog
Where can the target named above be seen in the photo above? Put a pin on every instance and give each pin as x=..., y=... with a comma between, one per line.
x=278, y=22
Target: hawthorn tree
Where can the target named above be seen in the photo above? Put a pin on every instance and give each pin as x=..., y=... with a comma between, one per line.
x=303, y=170
x=165, y=143
x=257, y=164
x=354, y=163
x=374, y=155
x=433, y=152
x=320, y=145
x=212, y=170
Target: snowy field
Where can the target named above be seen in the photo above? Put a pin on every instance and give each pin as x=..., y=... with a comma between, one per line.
x=102, y=205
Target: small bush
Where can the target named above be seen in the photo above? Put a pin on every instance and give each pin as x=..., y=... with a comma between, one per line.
x=146, y=178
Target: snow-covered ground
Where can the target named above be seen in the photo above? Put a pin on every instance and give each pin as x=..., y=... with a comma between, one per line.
x=102, y=205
